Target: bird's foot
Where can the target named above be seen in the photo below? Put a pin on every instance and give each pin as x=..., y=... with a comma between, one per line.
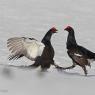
x=59, y=68
x=43, y=69
x=86, y=74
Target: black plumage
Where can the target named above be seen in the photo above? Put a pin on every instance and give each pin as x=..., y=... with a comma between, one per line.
x=42, y=53
x=79, y=55
x=46, y=59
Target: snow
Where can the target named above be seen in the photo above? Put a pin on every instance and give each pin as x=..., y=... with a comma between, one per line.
x=33, y=18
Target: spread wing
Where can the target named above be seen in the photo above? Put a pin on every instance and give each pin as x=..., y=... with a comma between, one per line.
x=22, y=46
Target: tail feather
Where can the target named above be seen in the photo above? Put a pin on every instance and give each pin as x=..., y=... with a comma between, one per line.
x=12, y=57
x=15, y=57
x=94, y=57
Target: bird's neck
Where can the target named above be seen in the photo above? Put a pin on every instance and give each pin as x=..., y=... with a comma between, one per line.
x=47, y=38
x=71, y=41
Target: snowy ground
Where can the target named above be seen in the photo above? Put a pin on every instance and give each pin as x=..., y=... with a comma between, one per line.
x=33, y=18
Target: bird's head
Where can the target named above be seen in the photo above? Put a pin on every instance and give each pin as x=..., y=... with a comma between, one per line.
x=69, y=28
x=53, y=30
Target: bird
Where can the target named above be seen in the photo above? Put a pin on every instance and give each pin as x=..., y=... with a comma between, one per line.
x=80, y=55
x=42, y=53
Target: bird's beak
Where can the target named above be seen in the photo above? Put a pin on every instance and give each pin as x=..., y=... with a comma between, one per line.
x=65, y=29
x=56, y=31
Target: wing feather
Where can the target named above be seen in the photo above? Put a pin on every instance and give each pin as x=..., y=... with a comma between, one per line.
x=22, y=46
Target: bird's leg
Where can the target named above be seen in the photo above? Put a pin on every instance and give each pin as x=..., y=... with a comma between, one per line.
x=43, y=69
x=71, y=67
x=57, y=66
x=85, y=71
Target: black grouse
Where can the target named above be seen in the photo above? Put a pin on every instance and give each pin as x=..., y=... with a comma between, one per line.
x=79, y=55
x=40, y=52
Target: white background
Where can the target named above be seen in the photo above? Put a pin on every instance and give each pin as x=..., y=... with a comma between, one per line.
x=33, y=18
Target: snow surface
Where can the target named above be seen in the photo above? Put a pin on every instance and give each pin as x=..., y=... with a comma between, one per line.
x=33, y=18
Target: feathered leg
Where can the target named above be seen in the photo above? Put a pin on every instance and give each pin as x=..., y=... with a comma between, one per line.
x=84, y=69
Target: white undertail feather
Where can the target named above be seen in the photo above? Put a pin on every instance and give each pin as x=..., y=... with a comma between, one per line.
x=30, y=48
